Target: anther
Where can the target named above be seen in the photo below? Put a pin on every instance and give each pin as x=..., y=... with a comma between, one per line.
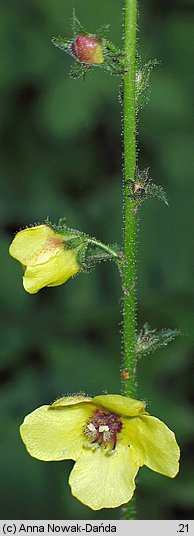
x=91, y=427
x=103, y=428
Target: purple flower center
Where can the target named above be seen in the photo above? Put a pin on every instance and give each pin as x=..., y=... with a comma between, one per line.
x=102, y=429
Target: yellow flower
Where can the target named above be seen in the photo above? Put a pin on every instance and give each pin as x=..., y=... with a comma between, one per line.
x=109, y=437
x=45, y=257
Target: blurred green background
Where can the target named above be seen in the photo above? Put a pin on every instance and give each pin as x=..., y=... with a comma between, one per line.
x=61, y=156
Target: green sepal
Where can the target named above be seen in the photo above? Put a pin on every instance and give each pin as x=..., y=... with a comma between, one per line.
x=62, y=43
x=78, y=70
x=89, y=250
x=149, y=340
x=62, y=222
x=103, y=31
x=73, y=239
x=74, y=242
x=114, y=59
x=62, y=228
x=77, y=27
x=81, y=255
x=142, y=90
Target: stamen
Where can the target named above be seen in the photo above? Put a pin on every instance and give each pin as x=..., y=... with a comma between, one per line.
x=106, y=437
x=91, y=427
x=103, y=428
x=110, y=452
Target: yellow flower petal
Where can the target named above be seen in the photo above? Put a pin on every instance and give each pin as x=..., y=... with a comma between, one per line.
x=52, y=435
x=120, y=404
x=35, y=245
x=70, y=401
x=52, y=273
x=102, y=480
x=154, y=444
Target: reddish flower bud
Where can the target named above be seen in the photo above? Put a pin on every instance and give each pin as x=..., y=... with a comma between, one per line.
x=88, y=50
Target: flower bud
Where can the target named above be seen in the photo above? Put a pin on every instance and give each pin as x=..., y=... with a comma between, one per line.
x=46, y=256
x=88, y=50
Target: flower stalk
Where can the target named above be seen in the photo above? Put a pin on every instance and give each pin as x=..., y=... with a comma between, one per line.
x=130, y=213
x=108, y=249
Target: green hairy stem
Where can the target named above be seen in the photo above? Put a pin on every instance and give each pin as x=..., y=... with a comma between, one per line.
x=130, y=216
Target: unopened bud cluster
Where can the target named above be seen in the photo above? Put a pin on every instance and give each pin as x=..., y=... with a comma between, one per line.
x=87, y=50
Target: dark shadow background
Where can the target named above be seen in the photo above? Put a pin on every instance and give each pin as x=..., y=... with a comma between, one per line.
x=61, y=156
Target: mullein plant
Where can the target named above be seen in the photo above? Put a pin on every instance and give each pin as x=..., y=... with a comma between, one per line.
x=109, y=436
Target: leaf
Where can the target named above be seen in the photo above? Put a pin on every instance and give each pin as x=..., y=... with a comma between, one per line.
x=149, y=340
x=157, y=191
x=143, y=187
x=142, y=83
